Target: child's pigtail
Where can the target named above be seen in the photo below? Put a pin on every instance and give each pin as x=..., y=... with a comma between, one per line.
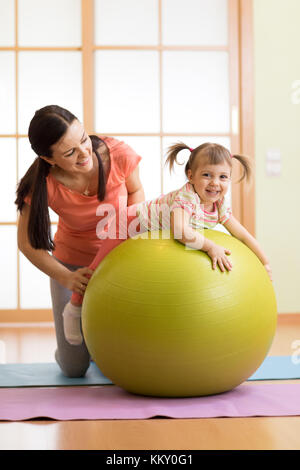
x=247, y=167
x=172, y=155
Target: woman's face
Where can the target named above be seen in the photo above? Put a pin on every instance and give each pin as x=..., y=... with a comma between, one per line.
x=73, y=153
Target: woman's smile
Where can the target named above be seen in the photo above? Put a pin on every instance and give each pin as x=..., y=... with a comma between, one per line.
x=83, y=162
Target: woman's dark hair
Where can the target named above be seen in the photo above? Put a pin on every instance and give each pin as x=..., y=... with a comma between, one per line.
x=214, y=153
x=47, y=126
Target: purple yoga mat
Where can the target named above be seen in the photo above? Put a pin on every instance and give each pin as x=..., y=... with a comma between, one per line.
x=111, y=402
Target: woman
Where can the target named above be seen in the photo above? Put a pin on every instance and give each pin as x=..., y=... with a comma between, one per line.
x=74, y=174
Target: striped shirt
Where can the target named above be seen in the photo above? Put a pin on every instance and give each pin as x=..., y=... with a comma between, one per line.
x=155, y=214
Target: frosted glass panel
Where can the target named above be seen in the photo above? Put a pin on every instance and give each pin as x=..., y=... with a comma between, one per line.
x=7, y=93
x=34, y=285
x=127, y=91
x=7, y=23
x=48, y=78
x=177, y=178
x=150, y=167
x=49, y=23
x=8, y=256
x=126, y=22
x=26, y=158
x=8, y=179
x=194, y=22
x=195, y=92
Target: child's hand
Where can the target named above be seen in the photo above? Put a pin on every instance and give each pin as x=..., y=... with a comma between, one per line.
x=269, y=271
x=218, y=256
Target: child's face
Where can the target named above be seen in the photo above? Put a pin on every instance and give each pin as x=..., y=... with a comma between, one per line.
x=211, y=182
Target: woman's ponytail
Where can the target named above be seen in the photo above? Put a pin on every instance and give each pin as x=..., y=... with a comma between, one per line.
x=34, y=185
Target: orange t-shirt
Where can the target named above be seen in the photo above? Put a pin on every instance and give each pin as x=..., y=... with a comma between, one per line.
x=76, y=240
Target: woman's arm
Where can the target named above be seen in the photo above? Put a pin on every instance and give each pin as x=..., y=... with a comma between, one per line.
x=238, y=231
x=190, y=237
x=135, y=188
x=75, y=281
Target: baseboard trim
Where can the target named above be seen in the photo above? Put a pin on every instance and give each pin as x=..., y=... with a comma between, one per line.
x=286, y=317
x=26, y=316
x=46, y=316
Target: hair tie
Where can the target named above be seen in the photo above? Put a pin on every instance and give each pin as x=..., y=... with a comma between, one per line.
x=191, y=150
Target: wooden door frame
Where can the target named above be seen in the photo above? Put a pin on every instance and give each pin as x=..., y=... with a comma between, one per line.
x=247, y=139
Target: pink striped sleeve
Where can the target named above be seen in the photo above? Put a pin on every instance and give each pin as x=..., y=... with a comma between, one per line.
x=182, y=203
x=224, y=210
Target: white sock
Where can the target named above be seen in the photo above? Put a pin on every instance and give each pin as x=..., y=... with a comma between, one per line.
x=71, y=321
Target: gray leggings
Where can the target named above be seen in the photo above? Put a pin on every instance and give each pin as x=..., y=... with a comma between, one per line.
x=73, y=360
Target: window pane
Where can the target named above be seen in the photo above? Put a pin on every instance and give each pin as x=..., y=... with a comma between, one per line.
x=61, y=28
x=194, y=22
x=48, y=78
x=130, y=22
x=26, y=158
x=127, y=91
x=7, y=23
x=7, y=93
x=34, y=285
x=8, y=256
x=8, y=179
x=195, y=92
x=150, y=167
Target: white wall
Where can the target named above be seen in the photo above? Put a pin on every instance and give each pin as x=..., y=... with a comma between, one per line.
x=277, y=127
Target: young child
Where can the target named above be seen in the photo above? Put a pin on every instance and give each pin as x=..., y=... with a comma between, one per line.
x=200, y=203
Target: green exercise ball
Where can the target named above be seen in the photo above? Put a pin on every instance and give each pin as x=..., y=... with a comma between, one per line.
x=159, y=321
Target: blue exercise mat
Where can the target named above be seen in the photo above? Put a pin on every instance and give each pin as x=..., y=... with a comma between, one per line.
x=277, y=368
x=46, y=375
x=49, y=374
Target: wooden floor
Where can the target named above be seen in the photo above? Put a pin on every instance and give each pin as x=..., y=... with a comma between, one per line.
x=37, y=343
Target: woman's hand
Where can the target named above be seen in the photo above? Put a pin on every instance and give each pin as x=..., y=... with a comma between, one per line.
x=77, y=281
x=269, y=271
x=218, y=256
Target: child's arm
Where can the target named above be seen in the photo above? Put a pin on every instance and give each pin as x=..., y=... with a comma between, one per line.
x=238, y=231
x=192, y=238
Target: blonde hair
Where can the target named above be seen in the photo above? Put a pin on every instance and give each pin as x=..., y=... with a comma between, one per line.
x=214, y=153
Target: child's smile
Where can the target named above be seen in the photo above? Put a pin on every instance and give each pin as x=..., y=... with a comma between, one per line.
x=211, y=192
x=211, y=182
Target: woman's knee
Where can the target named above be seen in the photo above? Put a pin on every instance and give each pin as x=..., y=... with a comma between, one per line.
x=73, y=365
